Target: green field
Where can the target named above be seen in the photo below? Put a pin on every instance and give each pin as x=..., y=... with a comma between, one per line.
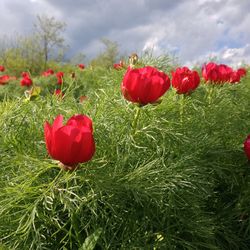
x=178, y=178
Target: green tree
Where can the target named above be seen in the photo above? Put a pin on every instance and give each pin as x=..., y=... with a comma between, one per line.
x=49, y=34
x=78, y=58
x=22, y=53
x=109, y=56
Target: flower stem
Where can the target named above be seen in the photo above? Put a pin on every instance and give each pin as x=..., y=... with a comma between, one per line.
x=210, y=94
x=135, y=121
x=182, y=104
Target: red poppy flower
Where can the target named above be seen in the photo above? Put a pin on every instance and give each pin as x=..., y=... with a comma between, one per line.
x=235, y=77
x=59, y=81
x=25, y=75
x=210, y=72
x=48, y=72
x=119, y=65
x=2, y=68
x=247, y=147
x=81, y=66
x=144, y=85
x=242, y=72
x=4, y=79
x=26, y=81
x=224, y=73
x=72, y=143
x=184, y=80
x=58, y=92
x=218, y=74
x=59, y=76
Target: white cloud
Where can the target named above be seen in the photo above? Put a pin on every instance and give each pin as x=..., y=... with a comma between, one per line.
x=235, y=57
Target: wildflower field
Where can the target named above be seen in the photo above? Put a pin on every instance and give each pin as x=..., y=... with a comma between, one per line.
x=146, y=156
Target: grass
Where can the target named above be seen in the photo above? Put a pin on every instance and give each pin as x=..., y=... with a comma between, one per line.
x=176, y=179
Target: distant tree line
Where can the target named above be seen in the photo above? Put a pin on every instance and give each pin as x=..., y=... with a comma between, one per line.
x=46, y=46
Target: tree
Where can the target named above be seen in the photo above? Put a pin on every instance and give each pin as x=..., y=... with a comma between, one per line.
x=49, y=33
x=7, y=42
x=78, y=58
x=109, y=56
x=21, y=53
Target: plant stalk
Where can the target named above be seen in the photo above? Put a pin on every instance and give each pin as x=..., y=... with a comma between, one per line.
x=135, y=121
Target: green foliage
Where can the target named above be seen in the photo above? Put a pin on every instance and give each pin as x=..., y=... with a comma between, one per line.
x=108, y=57
x=164, y=62
x=35, y=52
x=177, y=178
x=25, y=56
x=48, y=33
x=78, y=58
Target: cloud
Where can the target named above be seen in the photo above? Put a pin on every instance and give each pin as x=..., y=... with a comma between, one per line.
x=235, y=56
x=193, y=29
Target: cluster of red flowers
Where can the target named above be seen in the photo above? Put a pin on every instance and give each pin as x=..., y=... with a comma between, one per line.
x=221, y=73
x=74, y=143
x=4, y=79
x=26, y=80
x=48, y=72
x=147, y=85
x=59, y=76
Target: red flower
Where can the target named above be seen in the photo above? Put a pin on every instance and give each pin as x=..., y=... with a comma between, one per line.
x=144, y=85
x=224, y=73
x=58, y=92
x=25, y=75
x=81, y=66
x=119, y=65
x=59, y=81
x=26, y=81
x=184, y=80
x=59, y=76
x=2, y=68
x=235, y=77
x=219, y=74
x=242, y=72
x=210, y=72
x=4, y=79
x=72, y=143
x=247, y=147
x=48, y=72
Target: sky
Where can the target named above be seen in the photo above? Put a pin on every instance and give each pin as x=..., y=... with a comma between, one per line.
x=192, y=30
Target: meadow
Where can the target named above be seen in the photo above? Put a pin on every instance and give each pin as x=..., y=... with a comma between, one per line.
x=168, y=175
